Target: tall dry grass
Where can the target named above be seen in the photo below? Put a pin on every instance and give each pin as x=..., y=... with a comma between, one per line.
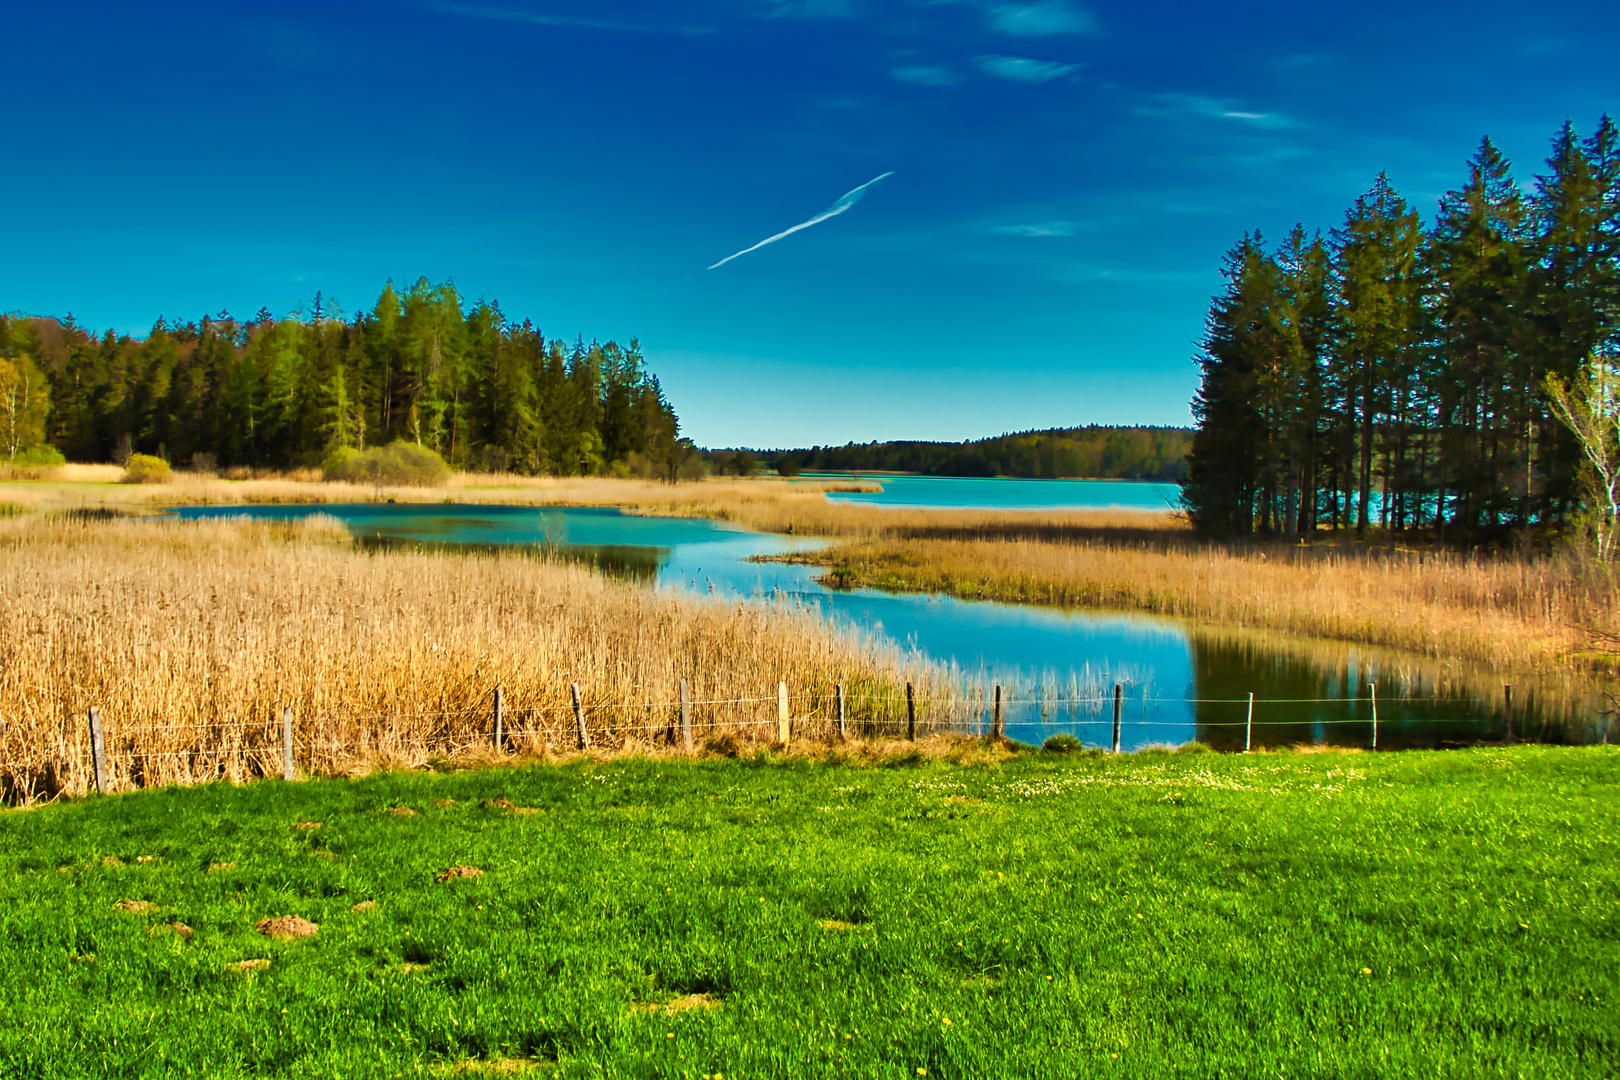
x=191, y=637
x=1507, y=615
x=69, y=486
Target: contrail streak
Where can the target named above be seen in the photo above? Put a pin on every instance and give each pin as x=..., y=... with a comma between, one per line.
x=844, y=203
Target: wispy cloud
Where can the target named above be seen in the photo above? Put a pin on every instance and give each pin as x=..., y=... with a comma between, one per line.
x=1196, y=105
x=926, y=76
x=1023, y=69
x=847, y=200
x=1041, y=18
x=1045, y=228
x=812, y=9
x=474, y=11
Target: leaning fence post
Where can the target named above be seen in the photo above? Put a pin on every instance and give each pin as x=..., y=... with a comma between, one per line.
x=288, y=770
x=911, y=714
x=843, y=726
x=1118, y=701
x=783, y=725
x=1248, y=728
x=498, y=732
x=686, y=717
x=579, y=717
x=98, y=750
x=1374, y=688
x=995, y=717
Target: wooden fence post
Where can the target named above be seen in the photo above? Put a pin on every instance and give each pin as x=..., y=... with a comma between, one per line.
x=1118, y=701
x=98, y=751
x=1507, y=704
x=783, y=725
x=1248, y=728
x=579, y=717
x=498, y=731
x=995, y=717
x=686, y=717
x=289, y=770
x=843, y=725
x=911, y=714
x=1374, y=688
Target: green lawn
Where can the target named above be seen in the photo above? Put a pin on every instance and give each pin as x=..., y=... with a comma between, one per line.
x=1415, y=914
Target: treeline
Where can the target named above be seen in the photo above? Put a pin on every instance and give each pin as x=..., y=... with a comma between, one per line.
x=477, y=388
x=1126, y=453
x=1397, y=372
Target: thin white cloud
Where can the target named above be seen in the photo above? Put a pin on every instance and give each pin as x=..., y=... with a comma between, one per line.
x=1197, y=105
x=926, y=76
x=1023, y=69
x=812, y=9
x=1045, y=228
x=1041, y=18
x=474, y=11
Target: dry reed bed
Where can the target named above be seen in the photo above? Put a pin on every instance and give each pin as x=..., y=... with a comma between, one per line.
x=192, y=636
x=1506, y=615
x=97, y=485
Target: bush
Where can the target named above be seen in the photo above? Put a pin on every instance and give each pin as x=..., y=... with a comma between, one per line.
x=399, y=464
x=1061, y=744
x=31, y=463
x=145, y=469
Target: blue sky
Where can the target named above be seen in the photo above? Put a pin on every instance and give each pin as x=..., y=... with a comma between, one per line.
x=1066, y=176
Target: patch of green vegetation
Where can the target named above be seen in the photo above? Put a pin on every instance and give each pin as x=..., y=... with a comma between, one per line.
x=1438, y=914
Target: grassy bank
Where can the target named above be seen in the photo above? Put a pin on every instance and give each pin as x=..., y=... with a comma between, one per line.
x=73, y=486
x=1501, y=614
x=192, y=637
x=1345, y=915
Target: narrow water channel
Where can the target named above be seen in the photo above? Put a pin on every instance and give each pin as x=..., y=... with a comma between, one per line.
x=1057, y=668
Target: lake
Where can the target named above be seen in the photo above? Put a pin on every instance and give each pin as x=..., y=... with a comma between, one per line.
x=964, y=493
x=1057, y=667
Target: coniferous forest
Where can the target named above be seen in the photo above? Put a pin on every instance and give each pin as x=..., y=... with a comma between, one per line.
x=1403, y=373
x=478, y=389
x=1097, y=451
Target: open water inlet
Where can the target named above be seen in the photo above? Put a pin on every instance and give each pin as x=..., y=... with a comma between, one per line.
x=1057, y=669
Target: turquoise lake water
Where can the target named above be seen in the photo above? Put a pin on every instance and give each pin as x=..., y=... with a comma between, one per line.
x=961, y=493
x=1177, y=683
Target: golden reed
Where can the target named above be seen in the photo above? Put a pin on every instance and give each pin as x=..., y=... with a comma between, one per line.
x=1503, y=614
x=191, y=637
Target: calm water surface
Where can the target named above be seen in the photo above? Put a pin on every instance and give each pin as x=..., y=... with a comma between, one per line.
x=964, y=493
x=1057, y=667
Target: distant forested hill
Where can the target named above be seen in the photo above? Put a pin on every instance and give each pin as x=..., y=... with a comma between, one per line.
x=480, y=389
x=1125, y=453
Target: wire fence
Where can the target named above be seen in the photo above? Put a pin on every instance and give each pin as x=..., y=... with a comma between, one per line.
x=106, y=756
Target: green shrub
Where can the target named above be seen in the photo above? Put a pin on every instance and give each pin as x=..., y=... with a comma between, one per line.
x=30, y=463
x=399, y=464
x=40, y=457
x=1061, y=744
x=145, y=469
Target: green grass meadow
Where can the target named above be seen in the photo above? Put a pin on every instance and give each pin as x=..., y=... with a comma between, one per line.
x=1452, y=914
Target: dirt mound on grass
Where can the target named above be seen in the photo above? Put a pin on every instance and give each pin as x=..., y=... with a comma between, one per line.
x=286, y=926
x=506, y=804
x=249, y=965
x=459, y=872
x=307, y=825
x=180, y=929
x=136, y=907
x=400, y=811
x=364, y=905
